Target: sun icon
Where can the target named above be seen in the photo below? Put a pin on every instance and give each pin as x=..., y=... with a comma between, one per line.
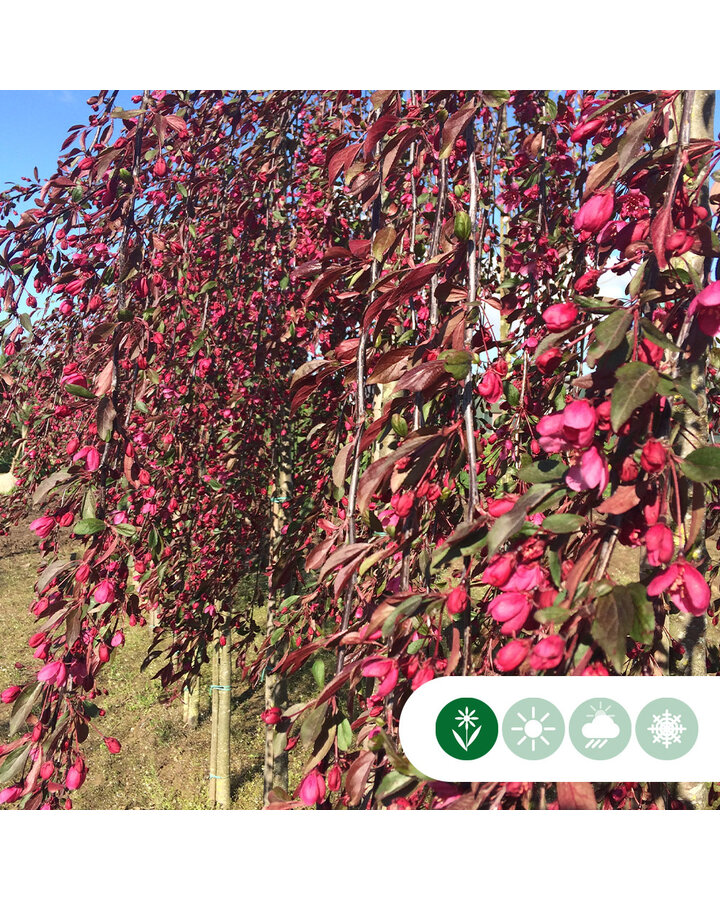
x=533, y=728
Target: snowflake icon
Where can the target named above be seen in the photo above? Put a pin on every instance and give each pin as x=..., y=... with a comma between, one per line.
x=667, y=729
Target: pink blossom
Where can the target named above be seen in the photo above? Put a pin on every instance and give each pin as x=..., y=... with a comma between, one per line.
x=499, y=507
x=53, y=672
x=707, y=306
x=579, y=420
x=653, y=457
x=92, y=460
x=591, y=472
x=498, y=572
x=43, y=526
x=104, y=592
x=490, y=387
x=560, y=316
x=424, y=674
x=457, y=601
x=547, y=653
x=573, y=427
x=10, y=693
x=403, y=503
x=312, y=788
x=10, y=794
x=509, y=657
x=686, y=587
x=524, y=578
x=660, y=544
x=549, y=360
x=74, y=378
x=595, y=213
x=512, y=609
x=384, y=669
x=75, y=777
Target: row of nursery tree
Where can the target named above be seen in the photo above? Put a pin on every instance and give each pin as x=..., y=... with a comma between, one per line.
x=356, y=347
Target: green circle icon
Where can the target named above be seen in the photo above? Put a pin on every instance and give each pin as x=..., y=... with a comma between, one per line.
x=466, y=728
x=666, y=728
x=600, y=728
x=533, y=728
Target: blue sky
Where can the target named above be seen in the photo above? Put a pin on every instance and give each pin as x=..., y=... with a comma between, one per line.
x=34, y=125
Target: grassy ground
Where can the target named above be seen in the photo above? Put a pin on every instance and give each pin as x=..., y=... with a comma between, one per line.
x=163, y=764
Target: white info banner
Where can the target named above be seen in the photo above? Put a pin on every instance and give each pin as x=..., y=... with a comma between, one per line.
x=544, y=728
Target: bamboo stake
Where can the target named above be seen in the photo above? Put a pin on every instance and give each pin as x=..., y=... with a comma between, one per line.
x=222, y=779
x=275, y=769
x=212, y=785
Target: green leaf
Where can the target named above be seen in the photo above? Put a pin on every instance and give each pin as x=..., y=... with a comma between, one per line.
x=495, y=98
x=563, y=523
x=702, y=465
x=48, y=484
x=554, y=615
x=462, y=226
x=555, y=567
x=643, y=626
x=14, y=763
x=614, y=619
x=509, y=524
x=125, y=529
x=197, y=344
x=344, y=736
x=89, y=526
x=383, y=240
x=23, y=705
x=636, y=384
x=392, y=783
x=399, y=425
x=77, y=390
x=688, y=395
x=318, y=672
x=457, y=363
x=404, y=609
x=610, y=332
x=652, y=333
x=312, y=724
x=512, y=394
x=543, y=471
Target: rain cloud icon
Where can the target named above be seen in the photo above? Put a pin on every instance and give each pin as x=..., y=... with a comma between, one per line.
x=600, y=730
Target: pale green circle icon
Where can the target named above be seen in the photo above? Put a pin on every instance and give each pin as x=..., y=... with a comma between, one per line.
x=533, y=728
x=666, y=728
x=600, y=728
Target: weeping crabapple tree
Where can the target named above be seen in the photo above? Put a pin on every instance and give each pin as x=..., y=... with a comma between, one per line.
x=390, y=302
x=145, y=398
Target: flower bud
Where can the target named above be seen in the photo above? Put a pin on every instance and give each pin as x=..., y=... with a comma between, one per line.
x=457, y=601
x=312, y=788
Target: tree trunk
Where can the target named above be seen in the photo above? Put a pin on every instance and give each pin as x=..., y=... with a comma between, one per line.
x=686, y=630
x=191, y=704
x=275, y=771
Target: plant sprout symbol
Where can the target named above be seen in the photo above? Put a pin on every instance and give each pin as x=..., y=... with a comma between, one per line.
x=601, y=729
x=533, y=729
x=469, y=720
x=667, y=729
